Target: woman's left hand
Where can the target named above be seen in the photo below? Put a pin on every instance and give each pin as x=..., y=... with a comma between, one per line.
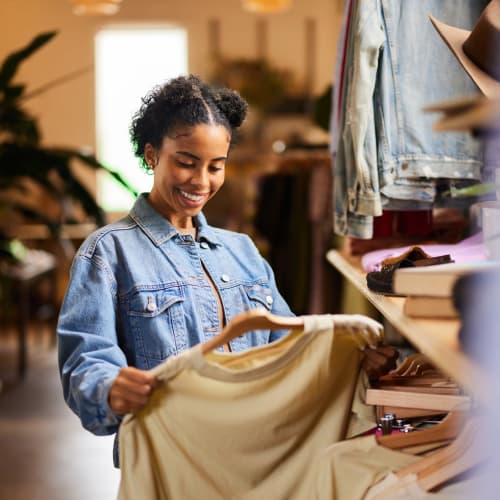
x=379, y=361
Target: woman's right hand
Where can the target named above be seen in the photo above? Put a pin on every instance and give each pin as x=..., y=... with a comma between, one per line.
x=131, y=390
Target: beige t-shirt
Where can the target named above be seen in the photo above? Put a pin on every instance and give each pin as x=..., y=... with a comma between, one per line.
x=360, y=468
x=244, y=425
x=408, y=488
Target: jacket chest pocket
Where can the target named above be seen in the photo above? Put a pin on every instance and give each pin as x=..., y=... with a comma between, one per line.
x=157, y=321
x=258, y=295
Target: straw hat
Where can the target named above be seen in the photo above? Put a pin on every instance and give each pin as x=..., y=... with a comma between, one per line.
x=478, y=51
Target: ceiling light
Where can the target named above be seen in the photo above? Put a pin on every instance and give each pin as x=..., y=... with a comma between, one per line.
x=96, y=7
x=265, y=6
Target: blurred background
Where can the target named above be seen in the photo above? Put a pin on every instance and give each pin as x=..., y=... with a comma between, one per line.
x=73, y=74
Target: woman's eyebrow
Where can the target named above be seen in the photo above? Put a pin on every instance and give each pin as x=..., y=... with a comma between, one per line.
x=194, y=157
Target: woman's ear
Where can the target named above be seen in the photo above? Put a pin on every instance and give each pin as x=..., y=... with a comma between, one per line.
x=150, y=155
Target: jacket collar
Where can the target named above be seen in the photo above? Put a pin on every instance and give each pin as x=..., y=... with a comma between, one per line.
x=159, y=230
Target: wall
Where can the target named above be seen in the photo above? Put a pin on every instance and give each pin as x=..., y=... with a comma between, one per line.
x=66, y=113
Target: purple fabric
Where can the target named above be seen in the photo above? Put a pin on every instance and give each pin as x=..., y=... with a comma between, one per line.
x=470, y=249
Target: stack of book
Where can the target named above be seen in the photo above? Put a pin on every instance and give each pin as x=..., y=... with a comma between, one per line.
x=429, y=289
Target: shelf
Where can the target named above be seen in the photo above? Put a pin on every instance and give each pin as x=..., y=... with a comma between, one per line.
x=436, y=338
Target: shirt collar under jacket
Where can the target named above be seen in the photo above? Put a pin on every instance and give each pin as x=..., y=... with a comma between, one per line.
x=159, y=230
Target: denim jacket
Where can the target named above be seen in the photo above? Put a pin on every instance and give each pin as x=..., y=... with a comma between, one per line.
x=397, y=64
x=138, y=293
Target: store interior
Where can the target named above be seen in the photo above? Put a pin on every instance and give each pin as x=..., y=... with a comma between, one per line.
x=366, y=174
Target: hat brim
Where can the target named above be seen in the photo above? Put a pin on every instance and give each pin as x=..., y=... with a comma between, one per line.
x=455, y=38
x=466, y=114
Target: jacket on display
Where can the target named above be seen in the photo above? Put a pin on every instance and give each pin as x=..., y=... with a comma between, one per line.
x=395, y=65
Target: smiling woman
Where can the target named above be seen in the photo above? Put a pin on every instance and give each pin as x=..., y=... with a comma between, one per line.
x=161, y=279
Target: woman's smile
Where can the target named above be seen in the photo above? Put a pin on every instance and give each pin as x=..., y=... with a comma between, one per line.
x=193, y=199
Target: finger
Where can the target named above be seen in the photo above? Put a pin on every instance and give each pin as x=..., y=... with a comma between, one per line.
x=122, y=406
x=125, y=387
x=139, y=376
x=389, y=351
x=129, y=396
x=373, y=371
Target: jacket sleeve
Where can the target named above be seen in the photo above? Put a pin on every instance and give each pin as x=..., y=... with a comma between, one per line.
x=357, y=192
x=89, y=355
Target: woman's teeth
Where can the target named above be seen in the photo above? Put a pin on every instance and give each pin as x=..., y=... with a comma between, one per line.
x=192, y=197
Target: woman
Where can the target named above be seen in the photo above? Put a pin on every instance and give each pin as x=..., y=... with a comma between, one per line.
x=161, y=279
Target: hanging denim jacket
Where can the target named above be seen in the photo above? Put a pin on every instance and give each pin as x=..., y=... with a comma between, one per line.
x=399, y=64
x=138, y=294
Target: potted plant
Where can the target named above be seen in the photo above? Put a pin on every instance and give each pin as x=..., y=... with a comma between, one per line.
x=27, y=165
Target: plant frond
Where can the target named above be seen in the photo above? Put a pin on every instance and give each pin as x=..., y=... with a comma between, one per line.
x=11, y=64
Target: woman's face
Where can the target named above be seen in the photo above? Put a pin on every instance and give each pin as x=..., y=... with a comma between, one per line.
x=188, y=171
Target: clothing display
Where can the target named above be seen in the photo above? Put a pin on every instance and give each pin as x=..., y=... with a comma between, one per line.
x=407, y=488
x=386, y=148
x=143, y=294
x=362, y=469
x=247, y=425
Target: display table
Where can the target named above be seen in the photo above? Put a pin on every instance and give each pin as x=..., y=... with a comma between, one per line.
x=436, y=338
x=20, y=280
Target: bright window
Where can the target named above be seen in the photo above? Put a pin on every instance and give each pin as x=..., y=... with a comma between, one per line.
x=129, y=62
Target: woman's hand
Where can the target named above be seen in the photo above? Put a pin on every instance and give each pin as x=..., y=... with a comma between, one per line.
x=131, y=390
x=379, y=361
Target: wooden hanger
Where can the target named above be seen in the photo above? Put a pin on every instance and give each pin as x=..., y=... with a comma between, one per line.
x=466, y=452
x=448, y=429
x=253, y=319
x=409, y=363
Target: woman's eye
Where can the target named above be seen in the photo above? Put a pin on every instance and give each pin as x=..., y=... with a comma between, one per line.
x=216, y=168
x=185, y=164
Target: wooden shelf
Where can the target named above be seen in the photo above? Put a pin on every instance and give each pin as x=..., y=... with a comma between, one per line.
x=436, y=338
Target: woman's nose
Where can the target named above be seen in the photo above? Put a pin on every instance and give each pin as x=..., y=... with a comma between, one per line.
x=200, y=177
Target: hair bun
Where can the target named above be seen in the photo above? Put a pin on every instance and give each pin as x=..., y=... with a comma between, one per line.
x=231, y=105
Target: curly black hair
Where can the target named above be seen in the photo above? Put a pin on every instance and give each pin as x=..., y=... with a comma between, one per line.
x=184, y=101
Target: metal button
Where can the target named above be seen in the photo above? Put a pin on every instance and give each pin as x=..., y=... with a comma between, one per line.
x=151, y=305
x=204, y=244
x=269, y=299
x=224, y=278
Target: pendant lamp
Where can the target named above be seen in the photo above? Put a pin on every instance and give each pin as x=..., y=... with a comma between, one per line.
x=265, y=6
x=96, y=7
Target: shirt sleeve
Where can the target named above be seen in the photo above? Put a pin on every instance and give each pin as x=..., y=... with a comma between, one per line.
x=89, y=355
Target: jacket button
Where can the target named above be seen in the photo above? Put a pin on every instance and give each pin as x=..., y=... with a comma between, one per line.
x=224, y=278
x=269, y=299
x=204, y=244
x=151, y=306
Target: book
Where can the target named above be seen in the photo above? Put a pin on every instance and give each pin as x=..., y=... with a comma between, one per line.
x=417, y=306
x=436, y=281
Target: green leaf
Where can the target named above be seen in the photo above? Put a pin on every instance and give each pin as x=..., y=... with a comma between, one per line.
x=11, y=63
x=476, y=190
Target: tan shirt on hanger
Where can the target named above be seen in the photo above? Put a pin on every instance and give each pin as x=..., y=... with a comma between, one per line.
x=247, y=425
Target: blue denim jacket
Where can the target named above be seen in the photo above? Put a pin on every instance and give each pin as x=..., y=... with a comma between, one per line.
x=397, y=64
x=138, y=294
